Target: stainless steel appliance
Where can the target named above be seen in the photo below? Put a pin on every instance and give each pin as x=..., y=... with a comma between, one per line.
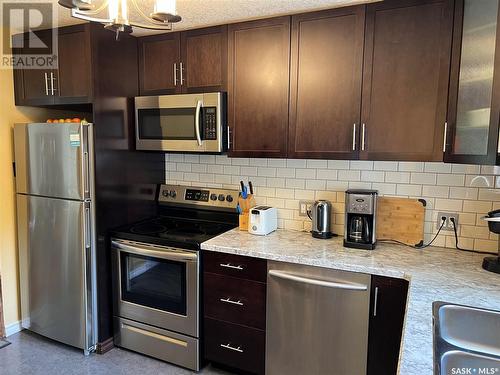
x=466, y=339
x=55, y=219
x=360, y=219
x=184, y=123
x=321, y=216
x=317, y=320
x=156, y=264
x=492, y=264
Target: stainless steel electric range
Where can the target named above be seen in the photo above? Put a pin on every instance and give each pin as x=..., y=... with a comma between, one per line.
x=156, y=264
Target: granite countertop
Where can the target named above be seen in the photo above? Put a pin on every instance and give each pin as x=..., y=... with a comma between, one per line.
x=435, y=274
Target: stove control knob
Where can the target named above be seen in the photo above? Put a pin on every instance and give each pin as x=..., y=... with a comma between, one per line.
x=229, y=198
x=213, y=197
x=222, y=198
x=173, y=193
x=165, y=193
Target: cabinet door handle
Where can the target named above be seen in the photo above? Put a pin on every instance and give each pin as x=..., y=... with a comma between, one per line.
x=375, y=302
x=363, y=137
x=229, y=138
x=175, y=74
x=354, y=137
x=228, y=300
x=181, y=69
x=445, y=136
x=46, y=83
x=229, y=265
x=228, y=346
x=52, y=79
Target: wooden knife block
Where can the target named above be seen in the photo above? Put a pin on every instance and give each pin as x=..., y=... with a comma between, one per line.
x=246, y=205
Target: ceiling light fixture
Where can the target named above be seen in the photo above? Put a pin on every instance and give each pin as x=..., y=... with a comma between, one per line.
x=122, y=15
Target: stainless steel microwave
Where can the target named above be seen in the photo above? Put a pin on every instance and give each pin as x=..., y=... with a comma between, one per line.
x=182, y=123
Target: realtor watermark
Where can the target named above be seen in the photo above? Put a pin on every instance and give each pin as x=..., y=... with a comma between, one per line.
x=29, y=34
x=474, y=371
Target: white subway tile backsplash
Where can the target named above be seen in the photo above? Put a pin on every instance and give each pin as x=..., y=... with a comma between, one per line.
x=326, y=174
x=463, y=193
x=409, y=166
x=293, y=183
x=436, y=191
x=277, y=163
x=468, y=190
x=423, y=178
x=318, y=164
x=361, y=165
x=240, y=161
x=315, y=184
x=437, y=167
x=266, y=172
x=200, y=168
x=349, y=175
x=408, y=190
x=305, y=173
x=338, y=164
x=384, y=189
x=372, y=176
x=450, y=180
x=285, y=172
x=397, y=177
x=385, y=165
x=296, y=163
x=480, y=181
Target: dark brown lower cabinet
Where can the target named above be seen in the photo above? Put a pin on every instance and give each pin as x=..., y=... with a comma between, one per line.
x=234, y=302
x=387, y=311
x=235, y=346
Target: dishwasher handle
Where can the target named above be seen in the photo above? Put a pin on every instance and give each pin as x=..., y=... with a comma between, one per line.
x=317, y=282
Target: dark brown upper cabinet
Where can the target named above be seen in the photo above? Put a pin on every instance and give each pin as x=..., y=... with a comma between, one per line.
x=70, y=83
x=405, y=80
x=204, y=59
x=74, y=77
x=326, y=75
x=187, y=62
x=32, y=86
x=159, y=64
x=474, y=102
x=258, y=87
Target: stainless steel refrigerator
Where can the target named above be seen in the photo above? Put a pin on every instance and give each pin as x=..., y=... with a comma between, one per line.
x=56, y=231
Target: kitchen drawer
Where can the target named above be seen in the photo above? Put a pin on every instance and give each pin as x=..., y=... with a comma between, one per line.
x=235, y=346
x=235, y=300
x=235, y=265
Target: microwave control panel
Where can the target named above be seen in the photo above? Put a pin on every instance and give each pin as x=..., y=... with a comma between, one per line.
x=210, y=123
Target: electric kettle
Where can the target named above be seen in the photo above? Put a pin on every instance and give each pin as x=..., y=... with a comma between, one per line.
x=321, y=216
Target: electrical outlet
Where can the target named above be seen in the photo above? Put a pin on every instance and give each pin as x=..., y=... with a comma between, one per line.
x=448, y=225
x=304, y=207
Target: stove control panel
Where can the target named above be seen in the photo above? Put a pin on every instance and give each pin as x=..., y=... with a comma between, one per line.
x=208, y=198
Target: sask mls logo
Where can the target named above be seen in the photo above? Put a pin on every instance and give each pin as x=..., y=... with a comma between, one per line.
x=24, y=45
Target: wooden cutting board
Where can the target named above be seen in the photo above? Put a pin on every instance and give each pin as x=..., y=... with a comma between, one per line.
x=401, y=219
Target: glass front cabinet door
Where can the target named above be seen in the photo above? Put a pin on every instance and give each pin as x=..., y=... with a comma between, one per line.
x=474, y=98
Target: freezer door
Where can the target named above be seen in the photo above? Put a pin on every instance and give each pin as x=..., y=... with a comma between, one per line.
x=53, y=160
x=56, y=269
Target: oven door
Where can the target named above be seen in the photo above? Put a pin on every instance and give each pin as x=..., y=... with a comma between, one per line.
x=183, y=123
x=156, y=285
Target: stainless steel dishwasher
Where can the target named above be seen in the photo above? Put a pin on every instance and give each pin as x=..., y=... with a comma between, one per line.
x=317, y=320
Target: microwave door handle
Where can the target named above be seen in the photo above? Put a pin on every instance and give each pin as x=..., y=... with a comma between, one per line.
x=197, y=122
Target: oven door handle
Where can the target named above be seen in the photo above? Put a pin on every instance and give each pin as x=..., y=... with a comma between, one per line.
x=169, y=252
x=197, y=121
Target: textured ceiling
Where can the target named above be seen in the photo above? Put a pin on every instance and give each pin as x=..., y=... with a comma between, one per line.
x=198, y=13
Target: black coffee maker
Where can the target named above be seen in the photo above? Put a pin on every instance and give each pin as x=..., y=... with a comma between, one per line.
x=492, y=264
x=360, y=223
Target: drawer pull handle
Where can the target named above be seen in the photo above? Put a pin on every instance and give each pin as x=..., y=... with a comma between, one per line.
x=229, y=265
x=228, y=346
x=228, y=300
